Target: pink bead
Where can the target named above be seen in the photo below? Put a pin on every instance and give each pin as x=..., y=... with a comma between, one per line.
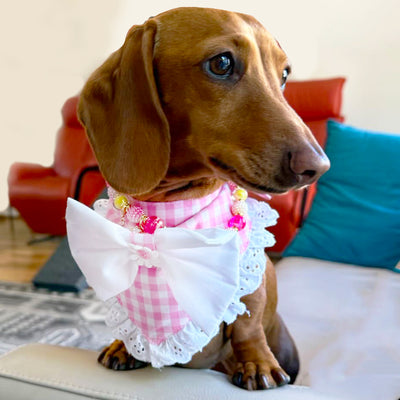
x=134, y=213
x=151, y=224
x=237, y=221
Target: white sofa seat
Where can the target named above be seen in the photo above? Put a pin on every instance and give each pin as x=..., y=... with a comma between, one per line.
x=345, y=321
x=44, y=372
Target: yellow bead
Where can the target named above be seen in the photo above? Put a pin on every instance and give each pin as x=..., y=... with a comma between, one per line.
x=121, y=202
x=240, y=194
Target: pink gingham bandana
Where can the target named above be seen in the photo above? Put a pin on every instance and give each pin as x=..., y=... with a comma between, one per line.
x=169, y=292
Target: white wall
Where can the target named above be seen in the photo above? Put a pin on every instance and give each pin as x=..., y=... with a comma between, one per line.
x=49, y=47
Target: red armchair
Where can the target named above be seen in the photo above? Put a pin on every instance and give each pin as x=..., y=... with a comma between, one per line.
x=316, y=102
x=40, y=193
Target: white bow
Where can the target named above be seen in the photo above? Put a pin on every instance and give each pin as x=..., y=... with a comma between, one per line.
x=200, y=266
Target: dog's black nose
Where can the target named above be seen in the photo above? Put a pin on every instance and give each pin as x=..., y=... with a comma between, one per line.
x=307, y=164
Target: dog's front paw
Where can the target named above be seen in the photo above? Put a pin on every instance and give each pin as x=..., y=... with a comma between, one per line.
x=115, y=356
x=259, y=376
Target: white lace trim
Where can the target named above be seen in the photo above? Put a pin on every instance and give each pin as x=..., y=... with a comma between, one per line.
x=253, y=261
x=181, y=346
x=177, y=348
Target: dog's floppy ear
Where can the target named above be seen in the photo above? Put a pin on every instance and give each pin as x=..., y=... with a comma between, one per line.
x=121, y=111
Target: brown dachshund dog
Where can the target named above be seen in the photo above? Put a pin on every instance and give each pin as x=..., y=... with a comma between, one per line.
x=192, y=99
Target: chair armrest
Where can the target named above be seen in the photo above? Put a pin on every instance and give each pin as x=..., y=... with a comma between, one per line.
x=39, y=371
x=19, y=171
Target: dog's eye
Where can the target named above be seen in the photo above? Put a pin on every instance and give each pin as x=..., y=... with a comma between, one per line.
x=221, y=65
x=285, y=74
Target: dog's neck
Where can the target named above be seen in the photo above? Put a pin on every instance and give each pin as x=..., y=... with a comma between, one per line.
x=172, y=189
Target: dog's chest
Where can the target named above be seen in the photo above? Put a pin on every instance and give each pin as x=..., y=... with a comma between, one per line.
x=149, y=303
x=180, y=283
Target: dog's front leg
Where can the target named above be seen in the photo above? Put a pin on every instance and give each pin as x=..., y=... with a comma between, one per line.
x=256, y=366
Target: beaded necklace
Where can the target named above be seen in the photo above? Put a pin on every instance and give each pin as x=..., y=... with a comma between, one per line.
x=143, y=223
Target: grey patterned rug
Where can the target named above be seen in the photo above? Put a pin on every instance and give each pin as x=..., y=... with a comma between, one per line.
x=29, y=315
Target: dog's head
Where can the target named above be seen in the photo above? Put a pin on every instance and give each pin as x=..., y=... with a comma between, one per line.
x=197, y=94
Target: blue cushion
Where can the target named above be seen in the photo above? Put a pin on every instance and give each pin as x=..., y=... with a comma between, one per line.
x=355, y=216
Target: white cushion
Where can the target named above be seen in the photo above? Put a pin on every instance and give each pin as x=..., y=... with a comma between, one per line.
x=42, y=372
x=345, y=321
